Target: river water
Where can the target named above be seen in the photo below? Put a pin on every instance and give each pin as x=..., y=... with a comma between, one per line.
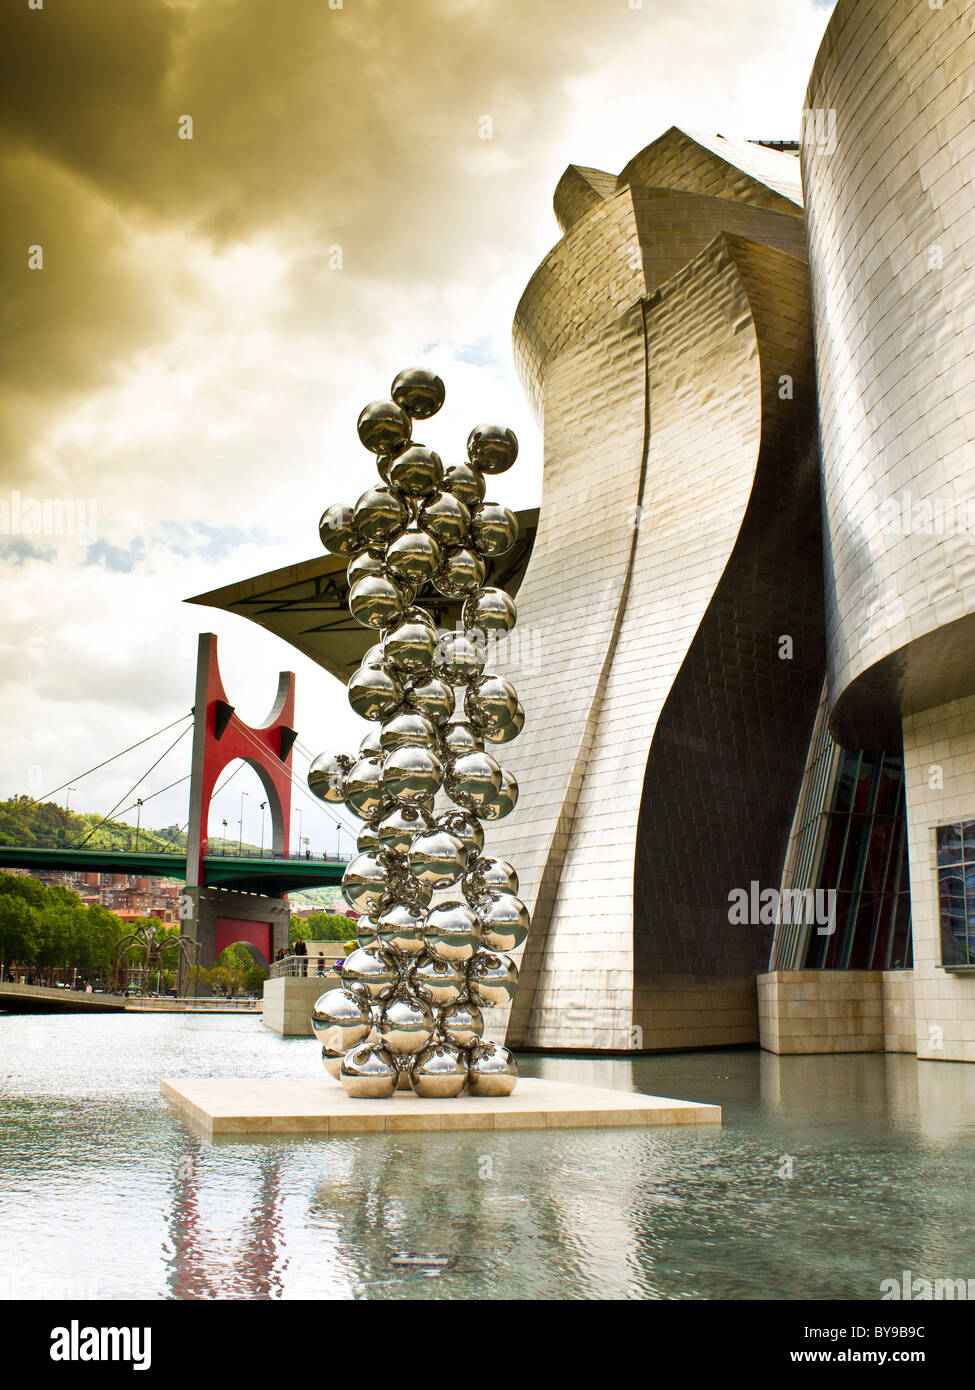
x=829, y=1175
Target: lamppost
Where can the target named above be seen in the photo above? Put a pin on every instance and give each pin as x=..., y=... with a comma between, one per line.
x=299, y=832
x=338, y=840
x=240, y=838
x=138, y=822
x=224, y=823
x=263, y=809
x=67, y=799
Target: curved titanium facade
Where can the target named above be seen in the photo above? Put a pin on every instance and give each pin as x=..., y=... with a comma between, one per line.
x=666, y=343
x=888, y=154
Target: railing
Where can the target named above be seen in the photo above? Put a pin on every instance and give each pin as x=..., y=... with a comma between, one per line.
x=304, y=967
x=202, y=1004
x=214, y=851
x=230, y=852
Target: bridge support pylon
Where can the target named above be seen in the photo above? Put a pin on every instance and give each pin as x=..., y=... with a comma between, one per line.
x=217, y=917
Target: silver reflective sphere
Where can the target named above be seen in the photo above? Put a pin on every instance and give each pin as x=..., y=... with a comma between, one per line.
x=504, y=801
x=461, y=573
x=439, y=1070
x=439, y=982
x=504, y=922
x=490, y=702
x=339, y=1020
x=419, y=392
x=414, y=555
x=457, y=659
x=412, y=774
x=409, y=727
x=491, y=610
x=417, y=472
x=492, y=978
x=437, y=859
x=457, y=738
x=491, y=1070
x=332, y=1062
x=384, y=427
x=462, y=1021
x=494, y=528
x=506, y=732
x=410, y=645
x=472, y=780
x=401, y=928
x=400, y=826
x=492, y=448
x=488, y=876
x=364, y=788
x=431, y=696
x=371, y=972
x=367, y=840
x=326, y=776
x=464, y=827
x=452, y=932
x=380, y=515
x=370, y=747
x=364, y=882
x=446, y=518
x=363, y=566
x=337, y=530
x=374, y=693
x=376, y=600
x=373, y=658
x=405, y=1024
x=369, y=1072
x=404, y=891
x=465, y=482
x=365, y=933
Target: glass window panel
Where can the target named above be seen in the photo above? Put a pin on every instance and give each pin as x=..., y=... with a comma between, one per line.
x=954, y=941
x=901, y=955
x=863, y=791
x=968, y=841
x=873, y=877
x=846, y=781
x=951, y=882
x=949, y=844
x=891, y=779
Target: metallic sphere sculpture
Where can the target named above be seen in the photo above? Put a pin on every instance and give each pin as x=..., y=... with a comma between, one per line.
x=436, y=915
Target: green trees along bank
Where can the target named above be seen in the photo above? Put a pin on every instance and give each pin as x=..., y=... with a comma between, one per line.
x=46, y=931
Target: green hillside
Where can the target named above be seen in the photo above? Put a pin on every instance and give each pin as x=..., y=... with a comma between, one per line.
x=45, y=825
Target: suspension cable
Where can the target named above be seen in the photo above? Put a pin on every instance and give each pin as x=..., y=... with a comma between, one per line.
x=118, y=803
x=26, y=805
x=295, y=782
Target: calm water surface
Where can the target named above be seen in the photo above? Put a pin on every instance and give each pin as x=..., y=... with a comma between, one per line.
x=829, y=1175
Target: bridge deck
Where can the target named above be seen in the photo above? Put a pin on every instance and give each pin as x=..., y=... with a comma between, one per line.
x=253, y=874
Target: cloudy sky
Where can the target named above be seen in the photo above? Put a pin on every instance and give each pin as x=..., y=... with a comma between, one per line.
x=368, y=186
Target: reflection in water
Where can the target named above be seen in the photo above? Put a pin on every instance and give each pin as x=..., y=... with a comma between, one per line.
x=829, y=1175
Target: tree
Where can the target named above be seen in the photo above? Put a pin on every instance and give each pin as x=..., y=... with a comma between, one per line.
x=197, y=981
x=254, y=979
x=18, y=928
x=328, y=926
x=220, y=980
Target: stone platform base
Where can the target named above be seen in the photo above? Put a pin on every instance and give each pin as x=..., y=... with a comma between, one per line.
x=231, y=1106
x=288, y=1002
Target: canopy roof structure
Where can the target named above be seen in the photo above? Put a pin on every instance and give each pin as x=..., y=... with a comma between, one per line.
x=307, y=604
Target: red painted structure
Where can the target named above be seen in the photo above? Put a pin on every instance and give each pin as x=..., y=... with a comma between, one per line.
x=233, y=929
x=220, y=737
